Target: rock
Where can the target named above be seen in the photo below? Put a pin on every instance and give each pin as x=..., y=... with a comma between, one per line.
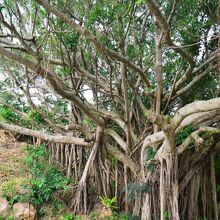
x=4, y=208
x=24, y=211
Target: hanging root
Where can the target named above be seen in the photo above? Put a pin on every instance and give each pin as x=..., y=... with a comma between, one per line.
x=169, y=192
x=79, y=202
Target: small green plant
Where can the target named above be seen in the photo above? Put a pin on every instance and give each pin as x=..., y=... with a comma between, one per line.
x=10, y=217
x=114, y=161
x=78, y=217
x=68, y=216
x=16, y=198
x=166, y=214
x=11, y=190
x=34, y=115
x=208, y=136
x=150, y=154
x=46, y=179
x=41, y=212
x=109, y=203
x=124, y=216
x=6, y=114
x=93, y=216
x=88, y=122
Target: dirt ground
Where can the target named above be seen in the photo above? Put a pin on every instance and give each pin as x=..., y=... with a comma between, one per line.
x=12, y=169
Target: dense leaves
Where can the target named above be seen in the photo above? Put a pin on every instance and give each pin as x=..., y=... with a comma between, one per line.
x=46, y=180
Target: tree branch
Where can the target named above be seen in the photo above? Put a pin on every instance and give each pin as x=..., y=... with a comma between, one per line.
x=45, y=137
x=88, y=35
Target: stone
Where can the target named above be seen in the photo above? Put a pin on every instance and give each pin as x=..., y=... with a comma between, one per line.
x=24, y=211
x=4, y=207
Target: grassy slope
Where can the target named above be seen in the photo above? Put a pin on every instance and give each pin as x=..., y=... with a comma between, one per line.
x=12, y=169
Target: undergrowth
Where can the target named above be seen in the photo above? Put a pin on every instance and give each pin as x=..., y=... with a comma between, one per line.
x=45, y=180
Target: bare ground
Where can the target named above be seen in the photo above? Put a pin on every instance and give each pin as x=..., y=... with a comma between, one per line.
x=12, y=169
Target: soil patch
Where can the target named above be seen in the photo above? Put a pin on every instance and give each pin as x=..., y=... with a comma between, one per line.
x=12, y=168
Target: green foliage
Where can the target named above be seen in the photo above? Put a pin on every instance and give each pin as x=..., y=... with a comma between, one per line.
x=166, y=214
x=88, y=122
x=93, y=216
x=136, y=189
x=183, y=134
x=35, y=116
x=208, y=136
x=41, y=212
x=71, y=40
x=11, y=190
x=78, y=217
x=43, y=186
x=150, y=154
x=8, y=115
x=46, y=179
x=16, y=198
x=131, y=51
x=126, y=216
x=10, y=217
x=69, y=216
x=114, y=161
x=113, y=23
x=1, y=7
x=7, y=218
x=98, y=13
x=109, y=203
x=138, y=2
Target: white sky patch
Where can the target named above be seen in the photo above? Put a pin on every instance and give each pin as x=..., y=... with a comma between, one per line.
x=202, y=47
x=87, y=93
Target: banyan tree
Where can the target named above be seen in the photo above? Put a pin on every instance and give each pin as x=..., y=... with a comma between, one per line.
x=125, y=96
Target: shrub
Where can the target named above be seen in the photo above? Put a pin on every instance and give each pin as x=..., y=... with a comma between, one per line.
x=46, y=180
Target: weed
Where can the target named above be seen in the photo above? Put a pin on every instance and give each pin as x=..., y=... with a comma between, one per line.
x=11, y=189
x=69, y=216
x=78, y=217
x=166, y=214
x=93, y=215
x=109, y=203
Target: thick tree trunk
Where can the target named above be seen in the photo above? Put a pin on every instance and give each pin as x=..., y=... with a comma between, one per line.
x=169, y=187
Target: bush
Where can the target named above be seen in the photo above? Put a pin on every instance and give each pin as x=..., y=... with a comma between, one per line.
x=46, y=180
